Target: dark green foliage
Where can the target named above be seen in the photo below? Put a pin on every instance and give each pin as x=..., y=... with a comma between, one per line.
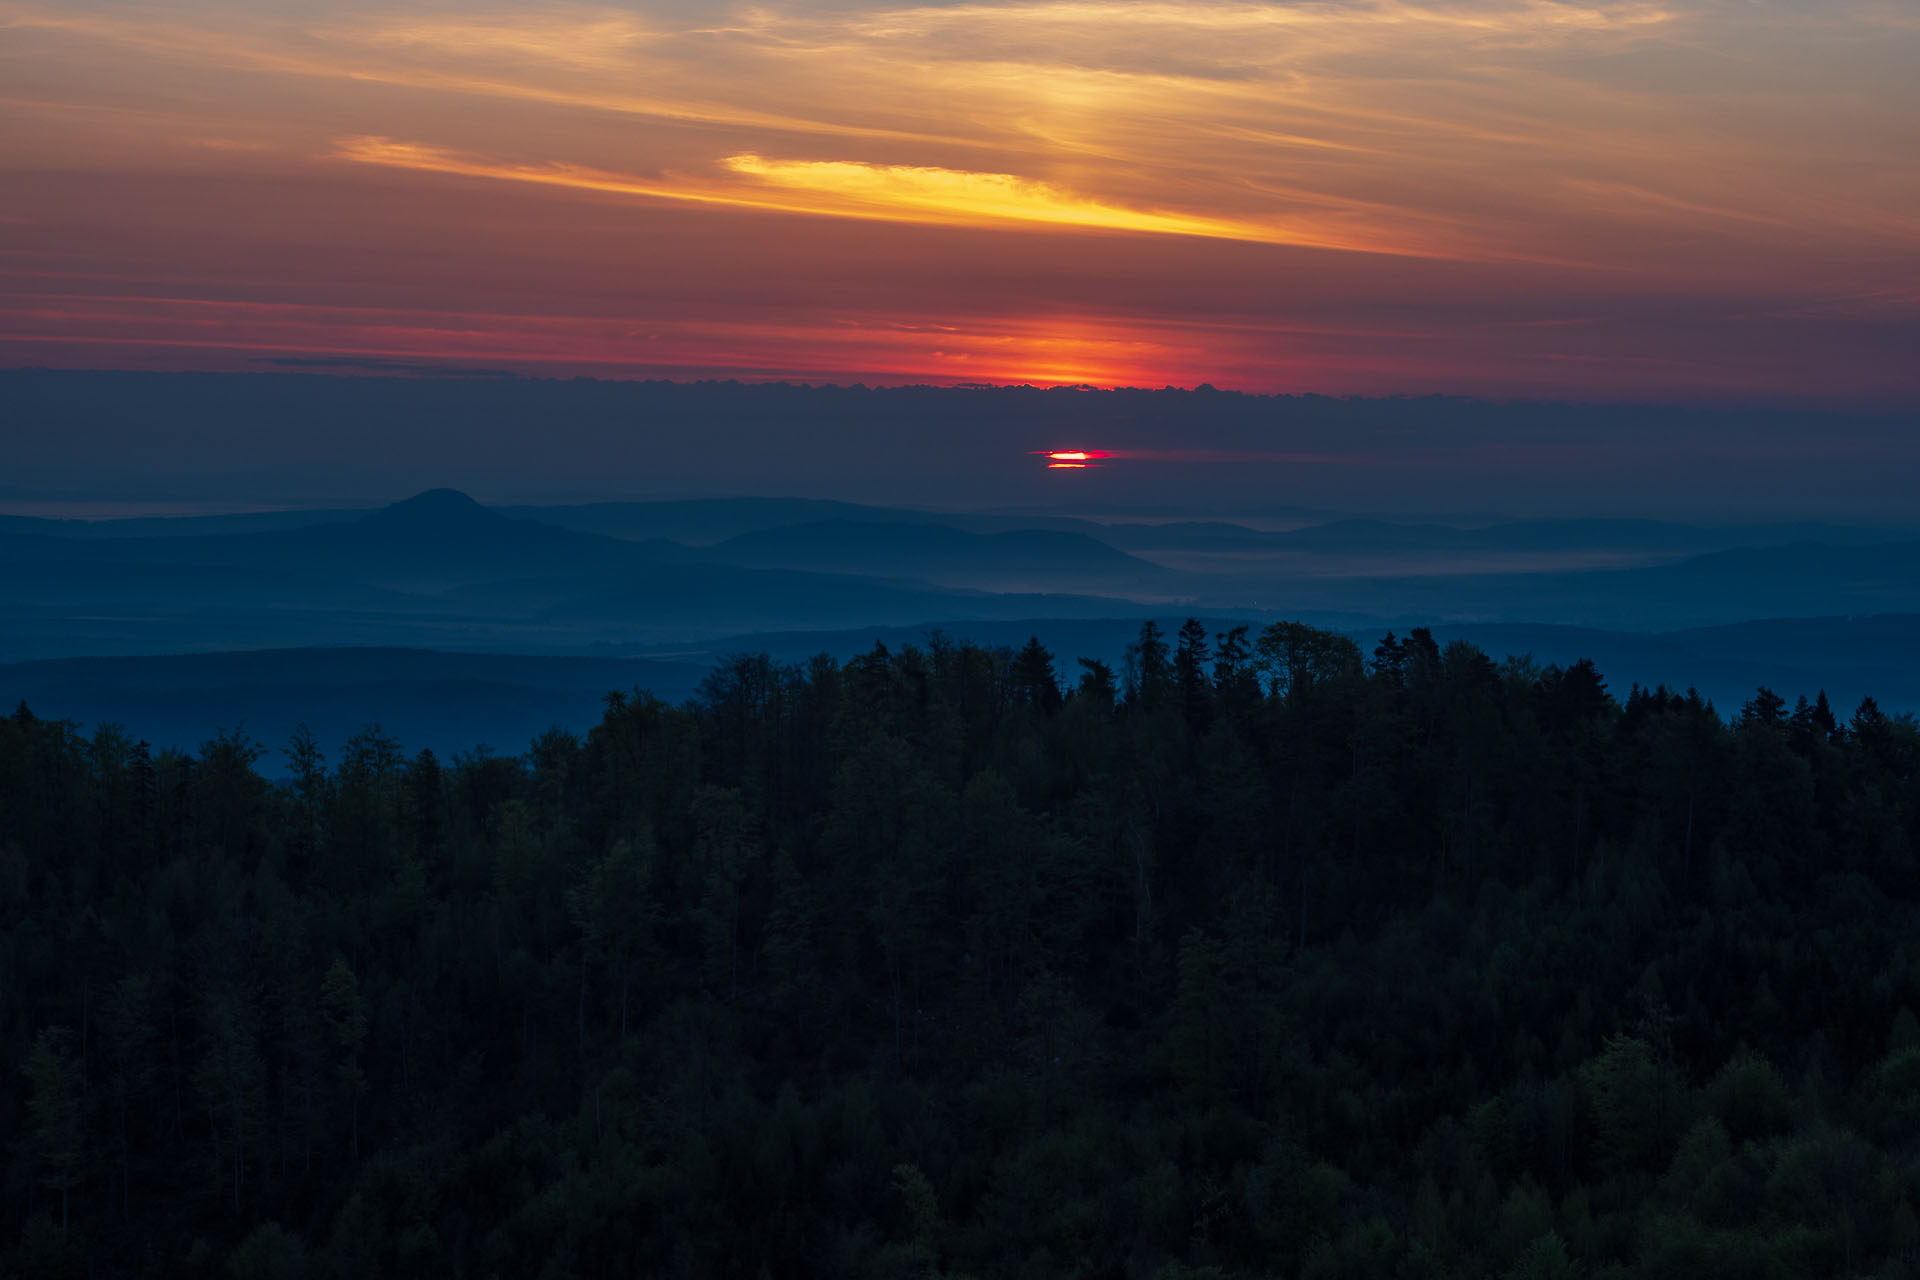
x=1750, y=1099
x=1256, y=958
x=56, y=1115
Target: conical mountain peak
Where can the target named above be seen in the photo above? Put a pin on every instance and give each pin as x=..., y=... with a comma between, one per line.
x=437, y=502
x=434, y=509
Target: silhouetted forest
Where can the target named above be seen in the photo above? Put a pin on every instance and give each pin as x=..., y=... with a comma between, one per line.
x=1259, y=956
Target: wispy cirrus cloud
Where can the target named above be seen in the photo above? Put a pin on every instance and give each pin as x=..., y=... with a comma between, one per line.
x=1592, y=157
x=1499, y=119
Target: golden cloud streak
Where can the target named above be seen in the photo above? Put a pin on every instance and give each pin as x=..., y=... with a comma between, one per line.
x=850, y=189
x=960, y=197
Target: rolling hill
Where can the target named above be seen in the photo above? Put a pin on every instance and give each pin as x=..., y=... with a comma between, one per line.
x=1026, y=559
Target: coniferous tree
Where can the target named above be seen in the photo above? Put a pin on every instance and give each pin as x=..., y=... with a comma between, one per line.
x=1190, y=674
x=1149, y=668
x=56, y=1108
x=346, y=1016
x=1032, y=677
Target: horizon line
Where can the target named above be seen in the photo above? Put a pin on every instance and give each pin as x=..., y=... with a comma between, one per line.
x=375, y=370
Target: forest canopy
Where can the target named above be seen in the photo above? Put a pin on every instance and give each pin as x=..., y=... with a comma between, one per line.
x=1258, y=956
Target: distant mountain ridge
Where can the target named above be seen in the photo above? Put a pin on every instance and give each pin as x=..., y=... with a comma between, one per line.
x=447, y=701
x=441, y=534
x=697, y=521
x=705, y=521
x=440, y=570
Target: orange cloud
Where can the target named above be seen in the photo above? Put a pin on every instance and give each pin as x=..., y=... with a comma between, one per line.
x=1489, y=165
x=1476, y=129
x=1043, y=351
x=851, y=189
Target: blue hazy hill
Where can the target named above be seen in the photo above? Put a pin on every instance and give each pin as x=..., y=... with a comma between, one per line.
x=441, y=571
x=1021, y=559
x=455, y=701
x=444, y=701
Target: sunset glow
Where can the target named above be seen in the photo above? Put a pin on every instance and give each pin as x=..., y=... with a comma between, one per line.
x=1611, y=198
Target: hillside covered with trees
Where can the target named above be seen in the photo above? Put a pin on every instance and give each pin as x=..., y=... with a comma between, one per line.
x=1262, y=956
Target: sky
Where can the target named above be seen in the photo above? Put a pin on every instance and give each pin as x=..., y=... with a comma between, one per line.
x=1679, y=201
x=92, y=442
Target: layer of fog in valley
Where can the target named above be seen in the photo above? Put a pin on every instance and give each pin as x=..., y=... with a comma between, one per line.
x=182, y=623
